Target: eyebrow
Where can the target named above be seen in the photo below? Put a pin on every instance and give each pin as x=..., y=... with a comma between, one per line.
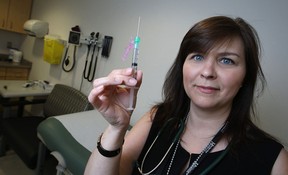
x=229, y=53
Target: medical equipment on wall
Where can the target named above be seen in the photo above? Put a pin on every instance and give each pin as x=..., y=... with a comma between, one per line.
x=106, y=46
x=94, y=45
x=93, y=40
x=74, y=40
x=53, y=49
x=36, y=28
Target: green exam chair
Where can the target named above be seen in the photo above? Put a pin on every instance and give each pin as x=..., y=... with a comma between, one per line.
x=71, y=138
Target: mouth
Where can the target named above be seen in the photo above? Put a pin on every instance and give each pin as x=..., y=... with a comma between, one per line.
x=207, y=89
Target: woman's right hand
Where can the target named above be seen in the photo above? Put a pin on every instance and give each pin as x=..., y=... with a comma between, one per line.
x=111, y=97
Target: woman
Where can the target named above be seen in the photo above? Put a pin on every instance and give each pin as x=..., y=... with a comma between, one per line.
x=204, y=124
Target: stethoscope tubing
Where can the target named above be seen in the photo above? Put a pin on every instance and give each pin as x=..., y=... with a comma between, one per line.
x=67, y=58
x=176, y=138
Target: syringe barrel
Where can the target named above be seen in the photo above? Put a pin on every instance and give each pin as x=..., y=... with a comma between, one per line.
x=135, y=55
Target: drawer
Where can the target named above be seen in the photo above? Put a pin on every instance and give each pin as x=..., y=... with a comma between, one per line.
x=17, y=74
x=2, y=73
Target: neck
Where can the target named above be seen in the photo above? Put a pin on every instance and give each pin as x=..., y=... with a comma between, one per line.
x=209, y=114
x=200, y=130
x=203, y=129
x=206, y=123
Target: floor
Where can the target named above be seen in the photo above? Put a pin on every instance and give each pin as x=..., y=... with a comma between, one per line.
x=11, y=164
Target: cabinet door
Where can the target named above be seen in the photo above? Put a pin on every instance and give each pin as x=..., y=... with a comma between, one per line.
x=17, y=74
x=19, y=12
x=2, y=73
x=4, y=7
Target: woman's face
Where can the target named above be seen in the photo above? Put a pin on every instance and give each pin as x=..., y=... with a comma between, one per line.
x=211, y=80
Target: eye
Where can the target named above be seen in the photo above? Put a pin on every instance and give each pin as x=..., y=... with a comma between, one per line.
x=197, y=57
x=227, y=61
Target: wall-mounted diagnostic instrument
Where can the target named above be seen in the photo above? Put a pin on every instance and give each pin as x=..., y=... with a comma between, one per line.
x=73, y=40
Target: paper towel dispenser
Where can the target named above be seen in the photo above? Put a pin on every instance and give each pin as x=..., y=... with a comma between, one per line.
x=36, y=28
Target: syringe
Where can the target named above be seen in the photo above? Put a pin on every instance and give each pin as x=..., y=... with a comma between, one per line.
x=134, y=67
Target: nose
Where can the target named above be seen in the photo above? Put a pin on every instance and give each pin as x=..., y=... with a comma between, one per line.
x=208, y=70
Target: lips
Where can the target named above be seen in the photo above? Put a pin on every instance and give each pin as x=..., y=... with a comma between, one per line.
x=207, y=89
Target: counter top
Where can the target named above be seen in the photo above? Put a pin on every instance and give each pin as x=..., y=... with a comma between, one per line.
x=14, y=88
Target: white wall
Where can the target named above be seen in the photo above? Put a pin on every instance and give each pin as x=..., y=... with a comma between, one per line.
x=15, y=39
x=163, y=25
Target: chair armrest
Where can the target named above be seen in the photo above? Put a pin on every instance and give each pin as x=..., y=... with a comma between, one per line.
x=74, y=136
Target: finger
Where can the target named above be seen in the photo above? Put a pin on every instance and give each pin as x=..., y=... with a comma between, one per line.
x=117, y=77
x=95, y=94
x=139, y=77
x=128, y=72
x=115, y=80
x=127, y=77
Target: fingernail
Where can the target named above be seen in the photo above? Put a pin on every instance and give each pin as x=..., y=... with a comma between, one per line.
x=132, y=81
x=129, y=69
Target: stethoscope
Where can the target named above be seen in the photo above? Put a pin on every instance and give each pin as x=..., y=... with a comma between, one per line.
x=181, y=127
x=176, y=141
x=87, y=74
